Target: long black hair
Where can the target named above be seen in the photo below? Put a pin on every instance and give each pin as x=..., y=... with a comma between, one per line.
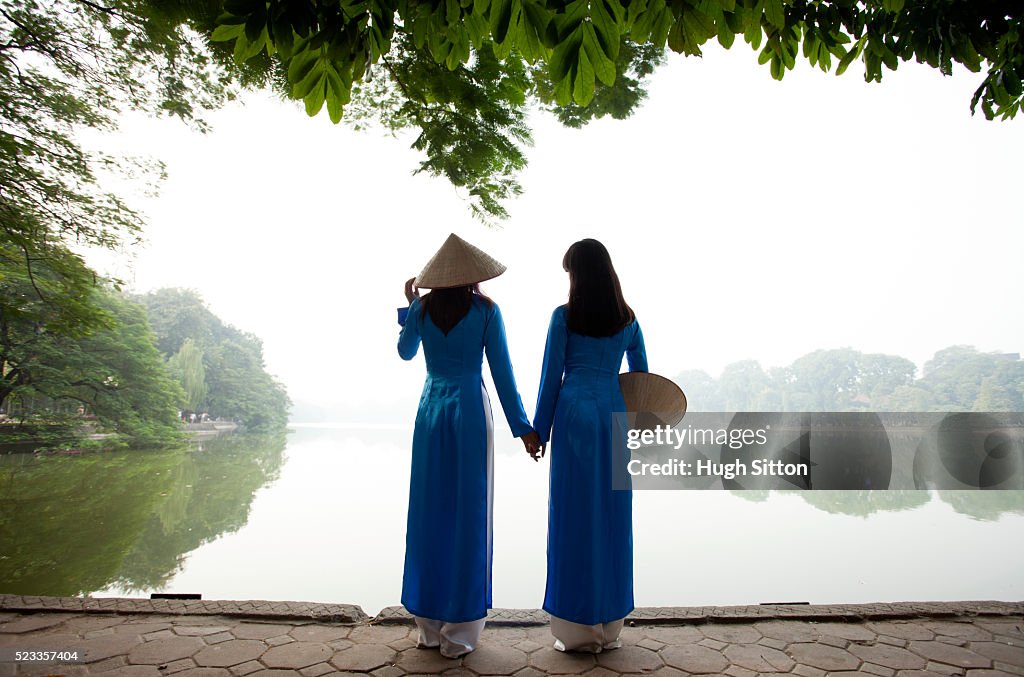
x=448, y=306
x=596, y=306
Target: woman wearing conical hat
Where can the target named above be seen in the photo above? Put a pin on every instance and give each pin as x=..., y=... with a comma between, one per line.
x=590, y=526
x=447, y=580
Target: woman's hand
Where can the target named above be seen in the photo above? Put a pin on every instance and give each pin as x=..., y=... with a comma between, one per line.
x=531, y=441
x=411, y=292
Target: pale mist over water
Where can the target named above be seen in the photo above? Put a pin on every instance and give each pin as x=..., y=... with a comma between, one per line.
x=320, y=516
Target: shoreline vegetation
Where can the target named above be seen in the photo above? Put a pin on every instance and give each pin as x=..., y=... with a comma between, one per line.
x=151, y=371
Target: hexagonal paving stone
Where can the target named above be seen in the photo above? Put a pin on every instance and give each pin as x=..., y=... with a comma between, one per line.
x=451, y=672
x=93, y=622
x=902, y=630
x=34, y=622
x=1004, y=653
x=231, y=652
x=425, y=661
x=694, y=658
x=320, y=633
x=45, y=642
x=133, y=671
x=247, y=668
x=49, y=670
x=823, y=657
x=106, y=646
x=940, y=652
x=199, y=630
x=890, y=656
x=317, y=670
x=965, y=630
x=667, y=672
x=855, y=632
x=297, y=655
x=162, y=651
x=501, y=636
x=207, y=672
x=529, y=672
x=495, y=660
x=363, y=657
x=560, y=662
x=630, y=659
x=130, y=628
x=180, y=665
x=253, y=630
x=788, y=631
x=378, y=634
x=731, y=634
x=758, y=658
x=1007, y=627
x=673, y=634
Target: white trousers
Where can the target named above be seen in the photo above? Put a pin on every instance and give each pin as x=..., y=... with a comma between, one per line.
x=454, y=639
x=571, y=636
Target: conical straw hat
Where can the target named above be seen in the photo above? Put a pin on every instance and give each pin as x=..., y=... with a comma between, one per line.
x=457, y=263
x=656, y=399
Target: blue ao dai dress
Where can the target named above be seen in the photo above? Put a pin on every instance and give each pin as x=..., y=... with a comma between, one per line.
x=448, y=536
x=590, y=525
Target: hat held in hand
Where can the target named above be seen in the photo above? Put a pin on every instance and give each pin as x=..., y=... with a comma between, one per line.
x=458, y=263
x=651, y=400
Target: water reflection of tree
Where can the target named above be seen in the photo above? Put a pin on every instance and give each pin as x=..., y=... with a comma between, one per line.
x=211, y=496
x=66, y=523
x=73, y=525
x=864, y=503
x=985, y=505
x=848, y=502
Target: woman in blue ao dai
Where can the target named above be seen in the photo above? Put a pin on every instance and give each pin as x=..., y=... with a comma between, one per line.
x=590, y=526
x=447, y=578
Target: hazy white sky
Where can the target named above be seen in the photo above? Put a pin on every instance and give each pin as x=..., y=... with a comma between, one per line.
x=747, y=218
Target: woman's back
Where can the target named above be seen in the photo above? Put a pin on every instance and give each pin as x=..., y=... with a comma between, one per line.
x=576, y=364
x=597, y=355
x=460, y=351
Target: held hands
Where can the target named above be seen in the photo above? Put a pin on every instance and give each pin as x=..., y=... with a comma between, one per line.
x=534, y=447
x=411, y=292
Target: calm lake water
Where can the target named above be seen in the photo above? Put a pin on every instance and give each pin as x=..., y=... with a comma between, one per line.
x=319, y=515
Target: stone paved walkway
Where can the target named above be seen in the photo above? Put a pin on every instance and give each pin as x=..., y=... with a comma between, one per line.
x=143, y=638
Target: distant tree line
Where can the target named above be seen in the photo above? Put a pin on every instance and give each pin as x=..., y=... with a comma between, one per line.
x=77, y=356
x=220, y=368
x=957, y=378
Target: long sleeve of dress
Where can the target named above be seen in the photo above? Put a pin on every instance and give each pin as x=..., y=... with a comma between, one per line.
x=551, y=375
x=636, y=354
x=409, y=339
x=496, y=348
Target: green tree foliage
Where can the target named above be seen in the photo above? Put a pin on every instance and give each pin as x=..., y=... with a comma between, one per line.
x=580, y=52
x=460, y=72
x=121, y=377
x=238, y=386
x=958, y=378
x=41, y=305
x=65, y=66
x=186, y=366
x=65, y=338
x=72, y=64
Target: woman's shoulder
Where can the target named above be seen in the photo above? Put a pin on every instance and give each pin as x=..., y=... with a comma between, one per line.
x=487, y=305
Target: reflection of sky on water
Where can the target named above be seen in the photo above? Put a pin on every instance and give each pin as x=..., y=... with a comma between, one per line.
x=331, y=528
